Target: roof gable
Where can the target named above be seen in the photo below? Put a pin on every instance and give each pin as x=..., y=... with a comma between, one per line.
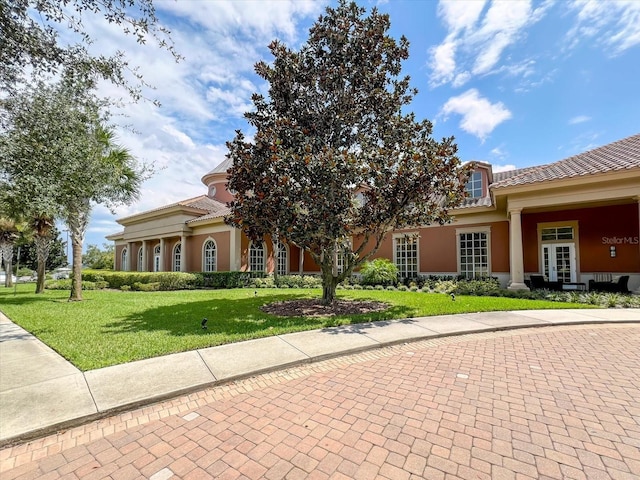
x=621, y=155
x=198, y=207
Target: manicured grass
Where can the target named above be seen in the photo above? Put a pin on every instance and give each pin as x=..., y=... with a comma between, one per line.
x=112, y=327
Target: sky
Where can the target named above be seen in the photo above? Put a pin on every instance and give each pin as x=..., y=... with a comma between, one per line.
x=517, y=83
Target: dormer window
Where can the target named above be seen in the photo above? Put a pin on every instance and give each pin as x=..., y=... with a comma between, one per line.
x=474, y=185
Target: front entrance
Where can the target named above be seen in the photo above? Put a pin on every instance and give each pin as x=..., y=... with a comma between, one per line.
x=559, y=262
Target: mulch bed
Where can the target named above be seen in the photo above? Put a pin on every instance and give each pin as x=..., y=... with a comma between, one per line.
x=315, y=308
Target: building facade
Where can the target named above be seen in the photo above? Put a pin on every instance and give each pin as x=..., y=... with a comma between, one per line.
x=570, y=221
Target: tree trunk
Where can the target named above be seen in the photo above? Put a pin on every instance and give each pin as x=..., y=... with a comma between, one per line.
x=43, y=245
x=76, y=276
x=77, y=222
x=7, y=255
x=329, y=284
x=329, y=292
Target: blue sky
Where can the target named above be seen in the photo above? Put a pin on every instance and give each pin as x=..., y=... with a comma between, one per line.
x=518, y=83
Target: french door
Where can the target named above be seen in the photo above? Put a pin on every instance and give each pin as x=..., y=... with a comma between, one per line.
x=559, y=262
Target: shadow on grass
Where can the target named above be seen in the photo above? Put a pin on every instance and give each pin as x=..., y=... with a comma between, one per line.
x=237, y=318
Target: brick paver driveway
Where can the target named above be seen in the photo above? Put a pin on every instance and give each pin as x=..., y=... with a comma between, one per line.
x=556, y=402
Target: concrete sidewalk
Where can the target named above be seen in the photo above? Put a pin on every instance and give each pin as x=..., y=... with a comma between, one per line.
x=41, y=392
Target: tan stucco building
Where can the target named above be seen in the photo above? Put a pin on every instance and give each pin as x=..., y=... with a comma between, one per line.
x=570, y=220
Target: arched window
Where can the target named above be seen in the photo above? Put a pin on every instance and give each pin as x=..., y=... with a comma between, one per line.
x=156, y=258
x=256, y=257
x=177, y=257
x=209, y=256
x=281, y=259
x=140, y=259
x=123, y=260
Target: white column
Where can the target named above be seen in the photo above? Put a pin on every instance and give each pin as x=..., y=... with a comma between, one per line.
x=235, y=249
x=183, y=253
x=129, y=256
x=144, y=256
x=301, y=262
x=161, y=266
x=515, y=251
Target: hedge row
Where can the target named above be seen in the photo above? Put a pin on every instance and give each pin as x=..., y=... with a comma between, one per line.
x=153, y=281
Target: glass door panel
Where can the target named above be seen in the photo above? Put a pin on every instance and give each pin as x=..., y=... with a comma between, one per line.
x=559, y=262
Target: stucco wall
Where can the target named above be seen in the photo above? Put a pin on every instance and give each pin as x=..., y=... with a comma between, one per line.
x=597, y=227
x=195, y=253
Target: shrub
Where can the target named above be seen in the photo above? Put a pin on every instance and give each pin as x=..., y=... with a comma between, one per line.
x=298, y=281
x=146, y=287
x=225, y=279
x=380, y=271
x=24, y=272
x=445, y=286
x=65, y=284
x=479, y=287
x=402, y=288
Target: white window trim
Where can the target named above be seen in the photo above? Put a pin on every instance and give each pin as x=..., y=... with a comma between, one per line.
x=264, y=257
x=576, y=243
x=157, y=254
x=204, y=258
x=176, y=265
x=341, y=257
x=275, y=258
x=124, y=259
x=396, y=236
x=470, y=192
x=140, y=255
x=480, y=229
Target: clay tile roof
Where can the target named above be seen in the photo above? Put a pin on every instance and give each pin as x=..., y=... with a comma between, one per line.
x=202, y=202
x=621, y=155
x=476, y=202
x=215, y=209
x=222, y=167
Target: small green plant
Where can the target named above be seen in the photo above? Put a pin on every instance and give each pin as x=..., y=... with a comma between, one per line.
x=65, y=284
x=380, y=271
x=445, y=286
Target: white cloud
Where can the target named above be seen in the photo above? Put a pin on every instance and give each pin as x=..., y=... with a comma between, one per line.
x=614, y=24
x=501, y=27
x=203, y=97
x=460, y=14
x=479, y=116
x=579, y=119
x=499, y=152
x=477, y=37
x=443, y=63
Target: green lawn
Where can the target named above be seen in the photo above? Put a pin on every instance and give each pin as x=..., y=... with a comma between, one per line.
x=112, y=327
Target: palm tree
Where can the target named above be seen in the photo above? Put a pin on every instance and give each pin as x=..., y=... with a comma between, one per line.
x=118, y=181
x=9, y=233
x=42, y=227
